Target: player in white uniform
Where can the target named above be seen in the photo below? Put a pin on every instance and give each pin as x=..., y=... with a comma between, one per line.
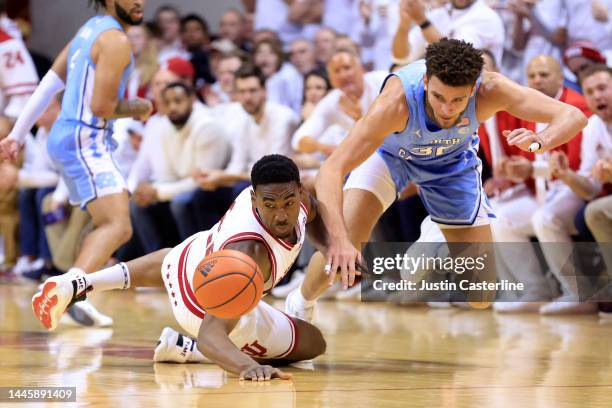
x=266, y=222
x=18, y=77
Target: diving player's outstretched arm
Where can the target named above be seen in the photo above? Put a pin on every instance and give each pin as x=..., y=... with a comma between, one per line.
x=498, y=93
x=52, y=83
x=388, y=114
x=112, y=53
x=213, y=336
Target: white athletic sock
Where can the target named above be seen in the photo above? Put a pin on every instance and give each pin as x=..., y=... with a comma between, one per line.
x=196, y=356
x=301, y=301
x=82, y=282
x=115, y=277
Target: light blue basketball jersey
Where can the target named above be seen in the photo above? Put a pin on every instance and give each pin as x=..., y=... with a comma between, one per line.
x=443, y=163
x=436, y=151
x=81, y=144
x=81, y=71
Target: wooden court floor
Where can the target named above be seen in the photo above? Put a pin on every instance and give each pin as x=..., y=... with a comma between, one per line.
x=378, y=355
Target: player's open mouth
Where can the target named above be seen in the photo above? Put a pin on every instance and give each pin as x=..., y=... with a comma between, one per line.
x=602, y=107
x=282, y=228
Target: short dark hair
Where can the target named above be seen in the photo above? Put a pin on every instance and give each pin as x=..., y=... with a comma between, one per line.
x=248, y=70
x=594, y=69
x=95, y=3
x=177, y=84
x=198, y=19
x=454, y=62
x=274, y=169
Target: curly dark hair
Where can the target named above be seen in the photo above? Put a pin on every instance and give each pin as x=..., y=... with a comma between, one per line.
x=97, y=3
x=273, y=169
x=454, y=62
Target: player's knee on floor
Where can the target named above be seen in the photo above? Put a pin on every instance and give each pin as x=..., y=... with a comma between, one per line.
x=311, y=343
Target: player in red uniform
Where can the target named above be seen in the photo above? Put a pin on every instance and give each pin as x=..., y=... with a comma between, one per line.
x=267, y=222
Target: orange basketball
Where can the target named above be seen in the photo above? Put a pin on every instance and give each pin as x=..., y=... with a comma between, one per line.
x=228, y=284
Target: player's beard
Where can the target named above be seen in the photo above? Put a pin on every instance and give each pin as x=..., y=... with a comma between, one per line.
x=124, y=16
x=180, y=121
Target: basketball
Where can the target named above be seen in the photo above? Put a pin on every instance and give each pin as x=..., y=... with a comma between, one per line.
x=228, y=284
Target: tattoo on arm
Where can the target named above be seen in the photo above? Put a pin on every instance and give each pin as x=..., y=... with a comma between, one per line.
x=131, y=109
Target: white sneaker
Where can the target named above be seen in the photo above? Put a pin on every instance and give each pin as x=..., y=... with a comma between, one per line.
x=557, y=308
x=24, y=265
x=57, y=294
x=281, y=292
x=174, y=347
x=605, y=316
x=85, y=314
x=294, y=309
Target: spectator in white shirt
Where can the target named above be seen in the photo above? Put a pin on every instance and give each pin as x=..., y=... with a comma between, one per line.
x=161, y=179
x=37, y=178
x=316, y=86
x=291, y=19
x=470, y=20
x=538, y=29
x=257, y=127
x=336, y=15
x=354, y=93
x=596, y=175
x=376, y=23
x=168, y=20
x=283, y=81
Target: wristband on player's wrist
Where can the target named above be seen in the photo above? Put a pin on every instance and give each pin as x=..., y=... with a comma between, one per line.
x=425, y=24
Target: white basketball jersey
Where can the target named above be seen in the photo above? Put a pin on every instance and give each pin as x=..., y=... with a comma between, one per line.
x=240, y=223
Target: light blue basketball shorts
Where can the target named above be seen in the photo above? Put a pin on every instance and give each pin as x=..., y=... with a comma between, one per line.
x=83, y=156
x=453, y=195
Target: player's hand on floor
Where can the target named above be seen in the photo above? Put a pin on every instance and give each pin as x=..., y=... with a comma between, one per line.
x=343, y=255
x=259, y=372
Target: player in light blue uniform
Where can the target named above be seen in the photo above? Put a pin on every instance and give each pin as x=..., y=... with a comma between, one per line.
x=81, y=143
x=442, y=162
x=93, y=69
x=422, y=128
